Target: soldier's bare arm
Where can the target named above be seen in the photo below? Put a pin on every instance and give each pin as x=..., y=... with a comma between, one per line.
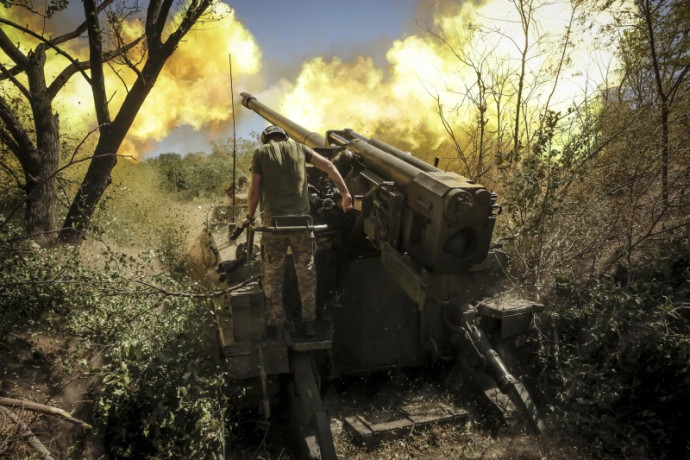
x=326, y=166
x=252, y=199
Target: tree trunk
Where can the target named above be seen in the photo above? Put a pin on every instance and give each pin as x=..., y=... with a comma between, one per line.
x=113, y=133
x=664, y=152
x=41, y=196
x=42, y=162
x=482, y=126
x=94, y=184
x=104, y=160
x=524, y=8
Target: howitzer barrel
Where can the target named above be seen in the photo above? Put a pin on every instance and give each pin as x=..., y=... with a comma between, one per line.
x=295, y=131
x=384, y=159
x=380, y=162
x=407, y=157
x=345, y=136
x=384, y=164
x=441, y=219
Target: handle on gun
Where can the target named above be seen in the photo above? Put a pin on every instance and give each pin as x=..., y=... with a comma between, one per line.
x=238, y=231
x=291, y=228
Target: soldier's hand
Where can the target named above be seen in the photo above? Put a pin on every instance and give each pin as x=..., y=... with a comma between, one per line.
x=346, y=202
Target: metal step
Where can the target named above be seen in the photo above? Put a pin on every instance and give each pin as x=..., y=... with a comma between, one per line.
x=323, y=340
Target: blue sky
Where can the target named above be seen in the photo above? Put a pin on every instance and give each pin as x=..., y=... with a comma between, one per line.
x=290, y=32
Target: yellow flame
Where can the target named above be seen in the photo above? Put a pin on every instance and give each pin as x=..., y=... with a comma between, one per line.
x=400, y=102
x=193, y=87
x=403, y=101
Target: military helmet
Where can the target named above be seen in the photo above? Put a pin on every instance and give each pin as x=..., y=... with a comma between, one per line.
x=272, y=130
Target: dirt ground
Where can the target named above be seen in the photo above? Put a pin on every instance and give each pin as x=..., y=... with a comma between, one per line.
x=32, y=369
x=475, y=437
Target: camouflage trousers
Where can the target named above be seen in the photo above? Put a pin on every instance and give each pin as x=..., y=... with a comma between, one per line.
x=274, y=248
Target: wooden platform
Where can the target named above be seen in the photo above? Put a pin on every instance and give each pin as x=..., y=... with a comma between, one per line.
x=373, y=429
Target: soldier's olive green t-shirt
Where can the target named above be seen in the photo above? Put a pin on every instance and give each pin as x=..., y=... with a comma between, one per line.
x=284, y=188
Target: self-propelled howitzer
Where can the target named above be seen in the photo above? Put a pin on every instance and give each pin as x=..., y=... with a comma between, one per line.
x=408, y=277
x=444, y=221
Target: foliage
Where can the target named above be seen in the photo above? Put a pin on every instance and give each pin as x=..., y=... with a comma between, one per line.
x=618, y=379
x=595, y=220
x=531, y=180
x=535, y=186
x=162, y=393
x=198, y=175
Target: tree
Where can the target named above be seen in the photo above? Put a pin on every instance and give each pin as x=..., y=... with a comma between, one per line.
x=664, y=38
x=645, y=168
x=474, y=164
x=654, y=53
x=34, y=140
x=526, y=10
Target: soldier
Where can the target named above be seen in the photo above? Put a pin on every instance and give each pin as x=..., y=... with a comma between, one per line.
x=279, y=178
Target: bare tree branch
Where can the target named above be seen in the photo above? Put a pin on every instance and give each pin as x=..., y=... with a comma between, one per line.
x=30, y=405
x=150, y=288
x=29, y=435
x=22, y=144
x=45, y=42
x=451, y=133
x=10, y=171
x=163, y=17
x=15, y=82
x=10, y=49
x=81, y=28
x=70, y=70
x=100, y=98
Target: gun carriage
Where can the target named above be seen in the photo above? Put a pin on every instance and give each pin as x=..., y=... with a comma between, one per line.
x=409, y=276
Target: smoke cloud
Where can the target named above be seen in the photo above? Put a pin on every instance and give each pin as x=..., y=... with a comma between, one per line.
x=396, y=97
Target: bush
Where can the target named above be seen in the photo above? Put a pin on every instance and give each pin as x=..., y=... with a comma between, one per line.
x=621, y=372
x=162, y=393
x=199, y=175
